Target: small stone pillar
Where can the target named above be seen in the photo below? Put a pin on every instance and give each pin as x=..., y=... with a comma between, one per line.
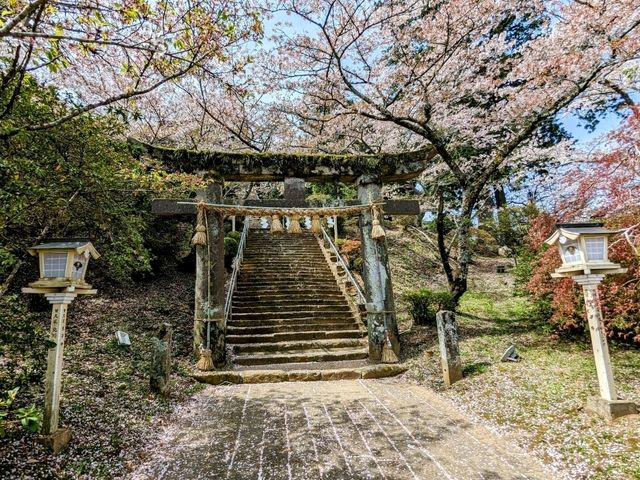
x=376, y=275
x=161, y=360
x=210, y=278
x=449, y=351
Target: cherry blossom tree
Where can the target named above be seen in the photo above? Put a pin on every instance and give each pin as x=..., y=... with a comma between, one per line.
x=483, y=82
x=106, y=53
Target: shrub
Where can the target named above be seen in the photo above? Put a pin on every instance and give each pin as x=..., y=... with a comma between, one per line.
x=561, y=300
x=230, y=250
x=425, y=303
x=235, y=235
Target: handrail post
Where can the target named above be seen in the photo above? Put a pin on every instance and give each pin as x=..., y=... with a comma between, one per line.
x=237, y=261
x=340, y=262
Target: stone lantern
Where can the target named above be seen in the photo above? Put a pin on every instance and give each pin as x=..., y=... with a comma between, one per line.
x=63, y=265
x=584, y=252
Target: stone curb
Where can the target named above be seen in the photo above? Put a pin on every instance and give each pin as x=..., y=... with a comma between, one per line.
x=275, y=376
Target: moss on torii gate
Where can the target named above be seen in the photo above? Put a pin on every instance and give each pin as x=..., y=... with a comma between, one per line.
x=275, y=167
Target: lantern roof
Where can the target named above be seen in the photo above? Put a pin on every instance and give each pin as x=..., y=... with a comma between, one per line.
x=79, y=245
x=573, y=230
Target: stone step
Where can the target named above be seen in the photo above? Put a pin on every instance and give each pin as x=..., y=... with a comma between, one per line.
x=300, y=314
x=291, y=294
x=285, y=277
x=248, y=280
x=300, y=372
x=282, y=255
x=298, y=345
x=287, y=336
x=291, y=289
x=288, y=322
x=269, y=259
x=306, y=325
x=321, y=285
x=314, y=355
x=280, y=308
x=293, y=270
x=284, y=300
x=294, y=266
x=250, y=307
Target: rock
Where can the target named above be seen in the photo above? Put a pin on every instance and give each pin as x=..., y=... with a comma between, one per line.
x=161, y=361
x=123, y=339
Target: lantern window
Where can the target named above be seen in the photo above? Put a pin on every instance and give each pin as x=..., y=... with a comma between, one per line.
x=571, y=253
x=55, y=265
x=594, y=247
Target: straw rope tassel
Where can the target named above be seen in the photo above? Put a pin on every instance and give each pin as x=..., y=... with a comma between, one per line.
x=376, y=231
x=294, y=224
x=200, y=237
x=315, y=225
x=276, y=224
x=205, y=362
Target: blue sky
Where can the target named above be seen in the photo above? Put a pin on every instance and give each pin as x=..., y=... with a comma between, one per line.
x=573, y=125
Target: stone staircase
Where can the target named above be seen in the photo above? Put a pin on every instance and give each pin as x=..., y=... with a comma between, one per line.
x=288, y=307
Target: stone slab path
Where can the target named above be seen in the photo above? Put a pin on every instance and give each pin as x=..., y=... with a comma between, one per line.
x=363, y=429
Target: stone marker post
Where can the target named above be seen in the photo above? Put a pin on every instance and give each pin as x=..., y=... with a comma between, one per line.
x=161, y=360
x=55, y=438
x=449, y=351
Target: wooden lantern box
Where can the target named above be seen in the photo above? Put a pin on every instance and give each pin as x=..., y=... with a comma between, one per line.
x=63, y=265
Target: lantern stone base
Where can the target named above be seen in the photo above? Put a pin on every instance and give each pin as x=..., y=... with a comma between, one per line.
x=57, y=441
x=611, y=409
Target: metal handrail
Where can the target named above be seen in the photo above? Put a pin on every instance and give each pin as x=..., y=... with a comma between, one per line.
x=359, y=293
x=237, y=261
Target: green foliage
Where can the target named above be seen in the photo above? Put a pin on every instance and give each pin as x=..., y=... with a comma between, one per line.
x=510, y=228
x=76, y=180
x=29, y=417
x=22, y=344
x=230, y=250
x=230, y=246
x=235, y=235
x=332, y=191
x=425, y=303
x=449, y=225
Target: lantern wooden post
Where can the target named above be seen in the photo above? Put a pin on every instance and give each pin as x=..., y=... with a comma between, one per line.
x=53, y=377
x=589, y=285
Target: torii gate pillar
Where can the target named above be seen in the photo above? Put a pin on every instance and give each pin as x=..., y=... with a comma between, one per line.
x=376, y=274
x=209, y=290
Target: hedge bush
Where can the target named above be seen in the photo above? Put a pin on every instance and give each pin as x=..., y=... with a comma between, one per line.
x=425, y=303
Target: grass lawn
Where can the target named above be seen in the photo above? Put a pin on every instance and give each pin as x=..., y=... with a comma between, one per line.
x=538, y=402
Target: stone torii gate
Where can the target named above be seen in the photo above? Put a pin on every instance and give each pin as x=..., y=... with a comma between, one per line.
x=367, y=172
